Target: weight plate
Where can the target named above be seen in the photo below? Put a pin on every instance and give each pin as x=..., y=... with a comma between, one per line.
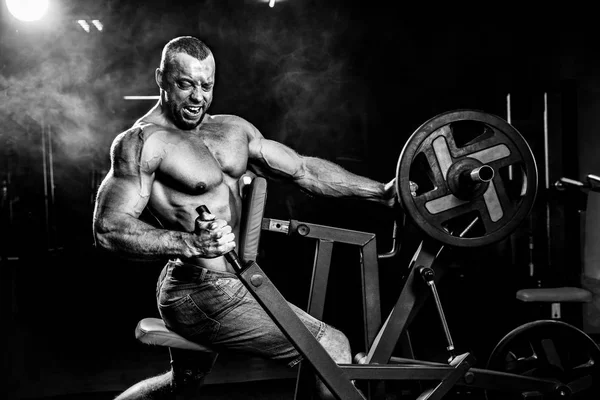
x=475, y=178
x=548, y=349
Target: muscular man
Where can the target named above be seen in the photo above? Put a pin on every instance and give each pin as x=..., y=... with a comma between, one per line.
x=177, y=157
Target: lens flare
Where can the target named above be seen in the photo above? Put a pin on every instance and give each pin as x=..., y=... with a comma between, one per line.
x=27, y=10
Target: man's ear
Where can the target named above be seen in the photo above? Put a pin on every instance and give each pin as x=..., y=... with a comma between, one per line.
x=158, y=75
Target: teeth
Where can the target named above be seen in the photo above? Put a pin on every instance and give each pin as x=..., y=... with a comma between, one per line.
x=192, y=110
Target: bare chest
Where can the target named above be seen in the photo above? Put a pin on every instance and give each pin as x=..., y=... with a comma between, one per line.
x=196, y=164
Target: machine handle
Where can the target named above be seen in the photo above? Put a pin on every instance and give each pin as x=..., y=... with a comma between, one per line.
x=395, y=240
x=593, y=183
x=231, y=255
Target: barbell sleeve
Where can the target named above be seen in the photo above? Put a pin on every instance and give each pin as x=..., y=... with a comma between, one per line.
x=485, y=173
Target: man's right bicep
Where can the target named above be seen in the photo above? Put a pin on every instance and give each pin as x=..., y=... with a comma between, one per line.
x=134, y=159
x=122, y=196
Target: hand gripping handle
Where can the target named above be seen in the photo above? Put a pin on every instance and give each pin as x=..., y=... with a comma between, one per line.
x=231, y=255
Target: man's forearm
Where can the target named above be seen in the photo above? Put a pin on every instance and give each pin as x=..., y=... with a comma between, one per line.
x=325, y=178
x=134, y=238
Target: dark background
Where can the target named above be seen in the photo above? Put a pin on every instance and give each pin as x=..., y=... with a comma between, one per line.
x=346, y=81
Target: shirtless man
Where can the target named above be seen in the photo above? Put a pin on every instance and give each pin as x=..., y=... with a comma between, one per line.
x=178, y=157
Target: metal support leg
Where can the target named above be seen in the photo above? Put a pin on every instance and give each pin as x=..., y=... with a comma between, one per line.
x=375, y=390
x=428, y=275
x=408, y=304
x=371, y=292
x=305, y=382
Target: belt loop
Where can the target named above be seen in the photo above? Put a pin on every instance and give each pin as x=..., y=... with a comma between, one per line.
x=203, y=272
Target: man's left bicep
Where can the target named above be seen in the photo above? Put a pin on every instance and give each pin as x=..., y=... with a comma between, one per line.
x=276, y=160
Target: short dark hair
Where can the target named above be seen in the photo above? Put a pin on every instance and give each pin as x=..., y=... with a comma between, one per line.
x=183, y=44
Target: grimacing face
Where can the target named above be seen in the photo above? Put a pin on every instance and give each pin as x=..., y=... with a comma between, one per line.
x=188, y=89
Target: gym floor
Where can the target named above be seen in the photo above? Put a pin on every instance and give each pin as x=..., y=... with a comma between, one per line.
x=51, y=370
x=57, y=367
x=51, y=355
x=102, y=374
x=271, y=390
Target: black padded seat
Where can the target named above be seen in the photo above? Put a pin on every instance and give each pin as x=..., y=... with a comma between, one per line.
x=154, y=332
x=555, y=295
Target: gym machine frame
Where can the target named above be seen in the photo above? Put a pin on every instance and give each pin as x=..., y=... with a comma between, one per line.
x=337, y=377
x=326, y=237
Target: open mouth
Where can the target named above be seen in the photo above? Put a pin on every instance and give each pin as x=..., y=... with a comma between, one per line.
x=192, y=111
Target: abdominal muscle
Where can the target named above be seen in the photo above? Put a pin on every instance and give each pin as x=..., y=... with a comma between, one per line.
x=177, y=211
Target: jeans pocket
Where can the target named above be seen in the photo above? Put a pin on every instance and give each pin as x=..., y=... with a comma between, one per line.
x=186, y=318
x=232, y=287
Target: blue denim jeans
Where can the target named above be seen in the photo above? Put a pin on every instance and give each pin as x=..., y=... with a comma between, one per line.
x=216, y=309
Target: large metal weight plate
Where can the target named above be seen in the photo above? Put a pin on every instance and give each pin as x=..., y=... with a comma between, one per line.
x=548, y=349
x=475, y=178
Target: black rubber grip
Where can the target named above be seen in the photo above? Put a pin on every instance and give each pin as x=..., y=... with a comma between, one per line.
x=201, y=209
x=230, y=256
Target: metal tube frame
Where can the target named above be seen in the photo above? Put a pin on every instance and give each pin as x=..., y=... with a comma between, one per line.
x=380, y=365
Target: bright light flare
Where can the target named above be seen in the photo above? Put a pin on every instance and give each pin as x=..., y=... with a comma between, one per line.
x=270, y=3
x=98, y=24
x=141, y=97
x=84, y=24
x=27, y=10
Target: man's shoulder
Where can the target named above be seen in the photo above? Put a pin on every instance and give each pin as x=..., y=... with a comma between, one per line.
x=141, y=130
x=138, y=136
x=233, y=123
x=228, y=119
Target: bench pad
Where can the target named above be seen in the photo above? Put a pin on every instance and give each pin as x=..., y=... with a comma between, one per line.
x=555, y=295
x=153, y=331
